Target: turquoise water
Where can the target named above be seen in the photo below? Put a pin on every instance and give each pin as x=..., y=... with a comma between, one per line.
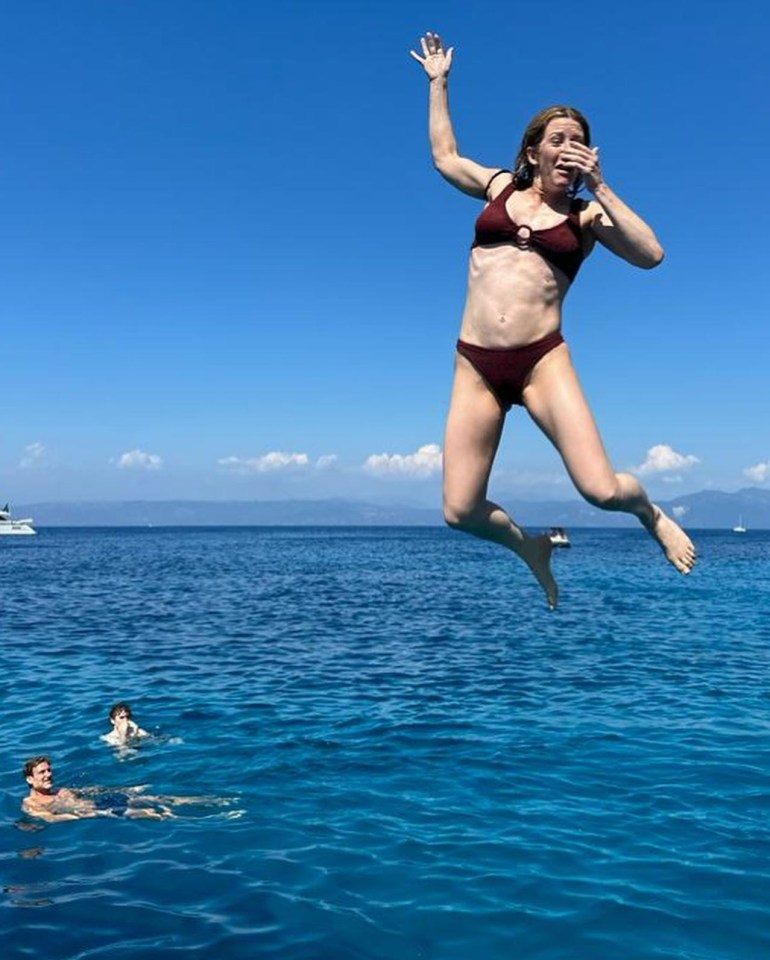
x=424, y=763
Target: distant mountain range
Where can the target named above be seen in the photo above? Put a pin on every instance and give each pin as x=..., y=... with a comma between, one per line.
x=704, y=510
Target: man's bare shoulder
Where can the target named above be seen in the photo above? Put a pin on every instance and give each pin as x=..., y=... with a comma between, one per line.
x=34, y=808
x=116, y=740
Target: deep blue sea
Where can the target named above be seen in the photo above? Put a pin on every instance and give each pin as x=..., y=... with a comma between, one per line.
x=421, y=760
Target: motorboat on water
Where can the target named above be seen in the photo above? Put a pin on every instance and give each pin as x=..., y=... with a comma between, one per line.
x=15, y=528
x=558, y=537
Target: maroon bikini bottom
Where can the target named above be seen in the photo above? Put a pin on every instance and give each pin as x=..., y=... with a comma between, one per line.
x=506, y=370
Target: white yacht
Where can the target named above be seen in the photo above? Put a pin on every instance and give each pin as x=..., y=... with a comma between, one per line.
x=15, y=528
x=558, y=537
x=740, y=528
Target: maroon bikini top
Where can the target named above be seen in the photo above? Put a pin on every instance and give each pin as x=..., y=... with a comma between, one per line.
x=561, y=246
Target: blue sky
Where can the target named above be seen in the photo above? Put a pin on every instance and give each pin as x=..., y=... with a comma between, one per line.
x=228, y=269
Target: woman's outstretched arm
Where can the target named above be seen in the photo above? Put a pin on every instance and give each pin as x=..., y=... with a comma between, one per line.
x=613, y=222
x=467, y=175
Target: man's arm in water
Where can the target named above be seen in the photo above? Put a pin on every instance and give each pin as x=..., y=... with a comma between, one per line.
x=36, y=810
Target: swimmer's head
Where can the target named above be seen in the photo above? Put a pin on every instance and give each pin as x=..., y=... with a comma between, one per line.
x=37, y=771
x=120, y=710
x=523, y=170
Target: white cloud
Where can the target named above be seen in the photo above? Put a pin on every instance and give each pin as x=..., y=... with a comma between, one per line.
x=139, y=460
x=326, y=461
x=679, y=512
x=423, y=463
x=758, y=473
x=265, y=464
x=662, y=458
x=33, y=456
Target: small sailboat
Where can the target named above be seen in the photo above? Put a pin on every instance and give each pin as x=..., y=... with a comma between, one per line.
x=739, y=528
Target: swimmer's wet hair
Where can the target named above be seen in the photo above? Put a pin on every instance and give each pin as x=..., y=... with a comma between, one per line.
x=121, y=706
x=30, y=765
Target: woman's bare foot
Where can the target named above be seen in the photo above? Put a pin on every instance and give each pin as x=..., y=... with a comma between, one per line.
x=536, y=553
x=677, y=546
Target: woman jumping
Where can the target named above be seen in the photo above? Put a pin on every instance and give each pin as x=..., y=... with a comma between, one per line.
x=531, y=239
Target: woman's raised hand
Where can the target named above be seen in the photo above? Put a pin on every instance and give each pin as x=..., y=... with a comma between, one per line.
x=585, y=160
x=435, y=61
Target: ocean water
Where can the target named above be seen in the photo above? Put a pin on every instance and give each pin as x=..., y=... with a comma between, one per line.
x=421, y=760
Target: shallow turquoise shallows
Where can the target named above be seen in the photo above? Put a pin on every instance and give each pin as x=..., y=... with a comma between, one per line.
x=421, y=760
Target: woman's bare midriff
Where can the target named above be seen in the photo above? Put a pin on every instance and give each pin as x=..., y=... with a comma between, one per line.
x=514, y=297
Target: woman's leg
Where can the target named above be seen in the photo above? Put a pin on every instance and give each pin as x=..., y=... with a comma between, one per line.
x=555, y=400
x=473, y=431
